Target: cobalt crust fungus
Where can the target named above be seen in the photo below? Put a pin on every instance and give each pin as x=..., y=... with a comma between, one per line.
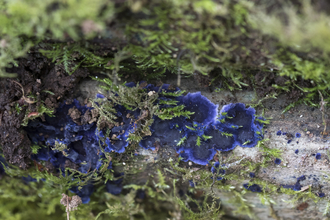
x=72, y=138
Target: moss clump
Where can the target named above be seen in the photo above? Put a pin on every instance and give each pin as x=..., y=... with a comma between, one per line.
x=42, y=109
x=26, y=23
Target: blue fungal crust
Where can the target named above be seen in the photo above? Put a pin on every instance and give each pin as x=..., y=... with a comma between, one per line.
x=115, y=187
x=297, y=186
x=192, y=183
x=205, y=112
x=298, y=135
x=217, y=171
x=296, y=151
x=252, y=175
x=81, y=143
x=277, y=161
x=84, y=193
x=196, y=138
x=2, y=164
x=318, y=156
x=278, y=133
x=252, y=188
x=240, y=121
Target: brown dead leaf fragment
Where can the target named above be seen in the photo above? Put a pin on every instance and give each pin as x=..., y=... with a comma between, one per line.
x=216, y=157
x=74, y=113
x=86, y=117
x=302, y=206
x=157, y=147
x=32, y=114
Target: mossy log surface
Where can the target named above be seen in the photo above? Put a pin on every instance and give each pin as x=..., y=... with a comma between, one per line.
x=270, y=55
x=290, y=204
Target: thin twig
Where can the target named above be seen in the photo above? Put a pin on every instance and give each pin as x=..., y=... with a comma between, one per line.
x=71, y=203
x=178, y=66
x=67, y=208
x=27, y=100
x=20, y=86
x=322, y=109
x=273, y=213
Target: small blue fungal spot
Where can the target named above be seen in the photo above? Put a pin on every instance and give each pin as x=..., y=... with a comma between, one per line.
x=140, y=194
x=301, y=178
x=278, y=133
x=320, y=194
x=100, y=96
x=277, y=161
x=191, y=183
x=318, y=156
x=298, y=135
x=296, y=186
x=252, y=188
x=115, y=187
x=215, y=170
x=84, y=193
x=284, y=133
x=289, y=141
x=252, y=175
x=296, y=151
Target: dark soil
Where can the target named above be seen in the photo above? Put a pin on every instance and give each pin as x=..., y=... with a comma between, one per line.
x=264, y=81
x=36, y=75
x=75, y=115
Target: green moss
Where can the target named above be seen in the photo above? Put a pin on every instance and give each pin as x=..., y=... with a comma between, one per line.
x=105, y=112
x=35, y=148
x=301, y=27
x=18, y=108
x=173, y=112
x=205, y=137
x=236, y=177
x=60, y=147
x=42, y=109
x=198, y=141
x=181, y=141
x=227, y=134
x=38, y=20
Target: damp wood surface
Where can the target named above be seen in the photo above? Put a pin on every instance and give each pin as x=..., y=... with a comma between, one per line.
x=301, y=119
